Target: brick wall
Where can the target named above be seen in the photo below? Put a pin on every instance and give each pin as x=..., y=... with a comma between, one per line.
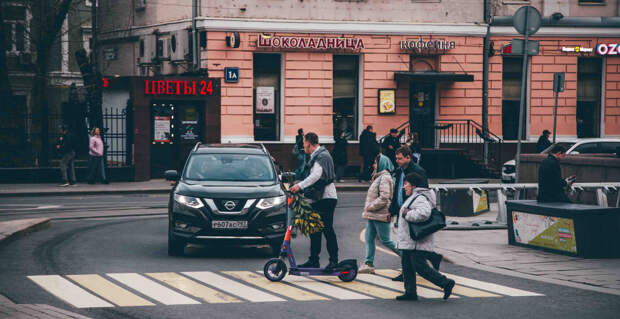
x=612, y=95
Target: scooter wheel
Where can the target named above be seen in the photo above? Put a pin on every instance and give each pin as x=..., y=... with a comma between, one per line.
x=348, y=275
x=275, y=269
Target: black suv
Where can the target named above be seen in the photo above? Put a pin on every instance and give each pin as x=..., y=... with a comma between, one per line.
x=227, y=194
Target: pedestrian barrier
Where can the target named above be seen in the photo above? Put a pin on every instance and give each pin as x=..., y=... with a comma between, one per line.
x=504, y=191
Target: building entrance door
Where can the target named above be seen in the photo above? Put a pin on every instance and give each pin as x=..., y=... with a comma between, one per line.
x=422, y=113
x=176, y=128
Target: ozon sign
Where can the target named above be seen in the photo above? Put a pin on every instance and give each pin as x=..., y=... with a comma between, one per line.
x=608, y=49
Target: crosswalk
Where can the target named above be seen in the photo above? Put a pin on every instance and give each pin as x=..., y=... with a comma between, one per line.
x=210, y=287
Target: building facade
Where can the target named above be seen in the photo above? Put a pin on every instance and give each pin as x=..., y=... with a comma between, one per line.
x=338, y=66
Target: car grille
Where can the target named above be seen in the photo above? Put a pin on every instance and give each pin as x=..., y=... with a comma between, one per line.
x=230, y=205
x=509, y=169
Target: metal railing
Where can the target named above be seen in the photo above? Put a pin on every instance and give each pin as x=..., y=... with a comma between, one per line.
x=504, y=191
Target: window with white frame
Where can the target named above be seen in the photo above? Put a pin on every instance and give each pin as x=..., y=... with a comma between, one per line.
x=15, y=26
x=86, y=38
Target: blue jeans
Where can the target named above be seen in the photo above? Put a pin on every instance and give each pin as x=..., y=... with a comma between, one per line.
x=374, y=228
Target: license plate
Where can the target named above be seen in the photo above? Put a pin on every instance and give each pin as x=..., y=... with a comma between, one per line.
x=229, y=224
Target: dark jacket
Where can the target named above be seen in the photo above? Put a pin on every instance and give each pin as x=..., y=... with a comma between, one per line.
x=66, y=144
x=369, y=147
x=543, y=143
x=411, y=168
x=299, y=143
x=340, y=151
x=550, y=182
x=390, y=141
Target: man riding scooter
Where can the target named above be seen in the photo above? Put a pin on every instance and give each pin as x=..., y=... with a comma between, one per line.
x=318, y=187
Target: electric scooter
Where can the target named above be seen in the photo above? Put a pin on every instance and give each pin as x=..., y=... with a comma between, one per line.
x=275, y=269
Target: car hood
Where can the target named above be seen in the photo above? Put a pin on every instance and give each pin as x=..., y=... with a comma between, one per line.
x=239, y=190
x=510, y=163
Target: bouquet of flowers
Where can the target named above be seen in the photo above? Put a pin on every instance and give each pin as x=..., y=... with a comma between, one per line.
x=307, y=221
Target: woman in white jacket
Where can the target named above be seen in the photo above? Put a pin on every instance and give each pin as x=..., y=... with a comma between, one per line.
x=417, y=208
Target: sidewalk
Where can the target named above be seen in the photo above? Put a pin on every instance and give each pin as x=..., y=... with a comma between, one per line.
x=8, y=309
x=488, y=250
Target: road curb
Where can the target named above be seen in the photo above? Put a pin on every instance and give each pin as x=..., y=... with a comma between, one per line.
x=133, y=191
x=14, y=228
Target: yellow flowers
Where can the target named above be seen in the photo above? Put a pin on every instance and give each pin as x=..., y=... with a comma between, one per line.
x=307, y=221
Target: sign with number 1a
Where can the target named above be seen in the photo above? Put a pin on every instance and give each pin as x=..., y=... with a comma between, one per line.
x=231, y=75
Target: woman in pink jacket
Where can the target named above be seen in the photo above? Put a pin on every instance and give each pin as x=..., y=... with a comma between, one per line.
x=95, y=157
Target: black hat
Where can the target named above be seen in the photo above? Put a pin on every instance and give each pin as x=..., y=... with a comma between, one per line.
x=393, y=130
x=546, y=132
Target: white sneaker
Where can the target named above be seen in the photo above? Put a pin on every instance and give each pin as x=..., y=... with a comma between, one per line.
x=366, y=269
x=64, y=185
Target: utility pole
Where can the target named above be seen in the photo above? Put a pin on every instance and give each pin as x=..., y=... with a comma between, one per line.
x=96, y=114
x=485, y=80
x=195, y=59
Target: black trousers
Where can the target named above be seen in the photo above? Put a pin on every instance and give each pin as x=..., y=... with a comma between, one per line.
x=414, y=261
x=326, y=208
x=367, y=170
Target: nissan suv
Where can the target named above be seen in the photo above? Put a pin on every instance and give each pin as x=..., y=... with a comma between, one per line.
x=226, y=194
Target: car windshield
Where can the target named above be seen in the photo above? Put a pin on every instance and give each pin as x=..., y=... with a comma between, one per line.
x=229, y=167
x=566, y=145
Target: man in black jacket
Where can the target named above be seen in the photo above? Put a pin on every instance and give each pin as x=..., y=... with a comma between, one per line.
x=543, y=141
x=369, y=149
x=550, y=182
x=390, y=144
x=65, y=148
x=406, y=166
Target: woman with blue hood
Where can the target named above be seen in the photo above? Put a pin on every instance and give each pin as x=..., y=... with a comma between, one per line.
x=376, y=211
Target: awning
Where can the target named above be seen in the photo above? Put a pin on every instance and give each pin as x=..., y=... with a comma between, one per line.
x=432, y=76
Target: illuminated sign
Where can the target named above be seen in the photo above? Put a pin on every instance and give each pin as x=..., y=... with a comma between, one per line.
x=608, y=49
x=430, y=45
x=577, y=49
x=178, y=87
x=309, y=43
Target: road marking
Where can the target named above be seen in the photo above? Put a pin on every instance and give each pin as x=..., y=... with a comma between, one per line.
x=458, y=289
x=152, y=289
x=109, y=291
x=69, y=292
x=396, y=285
x=193, y=288
x=275, y=287
x=232, y=287
x=360, y=287
x=499, y=289
x=324, y=288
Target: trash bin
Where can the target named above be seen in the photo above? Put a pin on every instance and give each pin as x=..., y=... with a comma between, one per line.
x=463, y=202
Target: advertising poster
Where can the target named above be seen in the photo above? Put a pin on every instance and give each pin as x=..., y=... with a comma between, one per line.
x=544, y=231
x=265, y=99
x=161, y=129
x=481, y=201
x=189, y=130
x=387, y=101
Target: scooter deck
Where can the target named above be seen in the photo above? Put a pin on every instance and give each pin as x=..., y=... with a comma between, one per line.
x=316, y=271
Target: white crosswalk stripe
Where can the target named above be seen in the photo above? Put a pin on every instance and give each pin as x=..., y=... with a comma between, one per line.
x=205, y=287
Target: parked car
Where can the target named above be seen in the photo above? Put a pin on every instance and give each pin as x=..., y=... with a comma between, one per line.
x=584, y=146
x=226, y=194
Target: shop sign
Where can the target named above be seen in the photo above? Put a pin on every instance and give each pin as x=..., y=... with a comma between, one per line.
x=178, y=87
x=309, y=43
x=231, y=75
x=161, y=129
x=265, y=99
x=577, y=49
x=387, y=101
x=608, y=49
x=421, y=45
x=544, y=231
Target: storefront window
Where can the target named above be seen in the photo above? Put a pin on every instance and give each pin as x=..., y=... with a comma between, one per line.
x=589, y=72
x=511, y=98
x=345, y=101
x=266, y=97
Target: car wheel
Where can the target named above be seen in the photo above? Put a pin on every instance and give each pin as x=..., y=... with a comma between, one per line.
x=176, y=246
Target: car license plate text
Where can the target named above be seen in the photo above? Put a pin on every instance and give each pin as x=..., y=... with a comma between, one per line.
x=229, y=224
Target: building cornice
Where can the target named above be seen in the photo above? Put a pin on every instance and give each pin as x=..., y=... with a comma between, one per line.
x=578, y=32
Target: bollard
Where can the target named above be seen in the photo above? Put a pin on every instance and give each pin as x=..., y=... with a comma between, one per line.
x=601, y=198
x=502, y=214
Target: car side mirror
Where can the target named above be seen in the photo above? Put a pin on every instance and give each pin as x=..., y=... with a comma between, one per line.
x=172, y=175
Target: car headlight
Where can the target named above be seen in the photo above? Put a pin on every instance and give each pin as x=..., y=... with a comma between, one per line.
x=270, y=202
x=192, y=202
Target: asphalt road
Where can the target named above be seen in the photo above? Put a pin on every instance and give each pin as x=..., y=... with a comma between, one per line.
x=137, y=246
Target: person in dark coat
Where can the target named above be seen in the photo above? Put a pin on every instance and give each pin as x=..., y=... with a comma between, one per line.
x=66, y=149
x=390, y=144
x=340, y=155
x=298, y=151
x=550, y=182
x=406, y=166
x=543, y=141
x=369, y=149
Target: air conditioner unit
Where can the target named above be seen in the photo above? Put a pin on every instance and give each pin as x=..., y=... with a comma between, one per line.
x=179, y=45
x=163, y=49
x=140, y=5
x=148, y=49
